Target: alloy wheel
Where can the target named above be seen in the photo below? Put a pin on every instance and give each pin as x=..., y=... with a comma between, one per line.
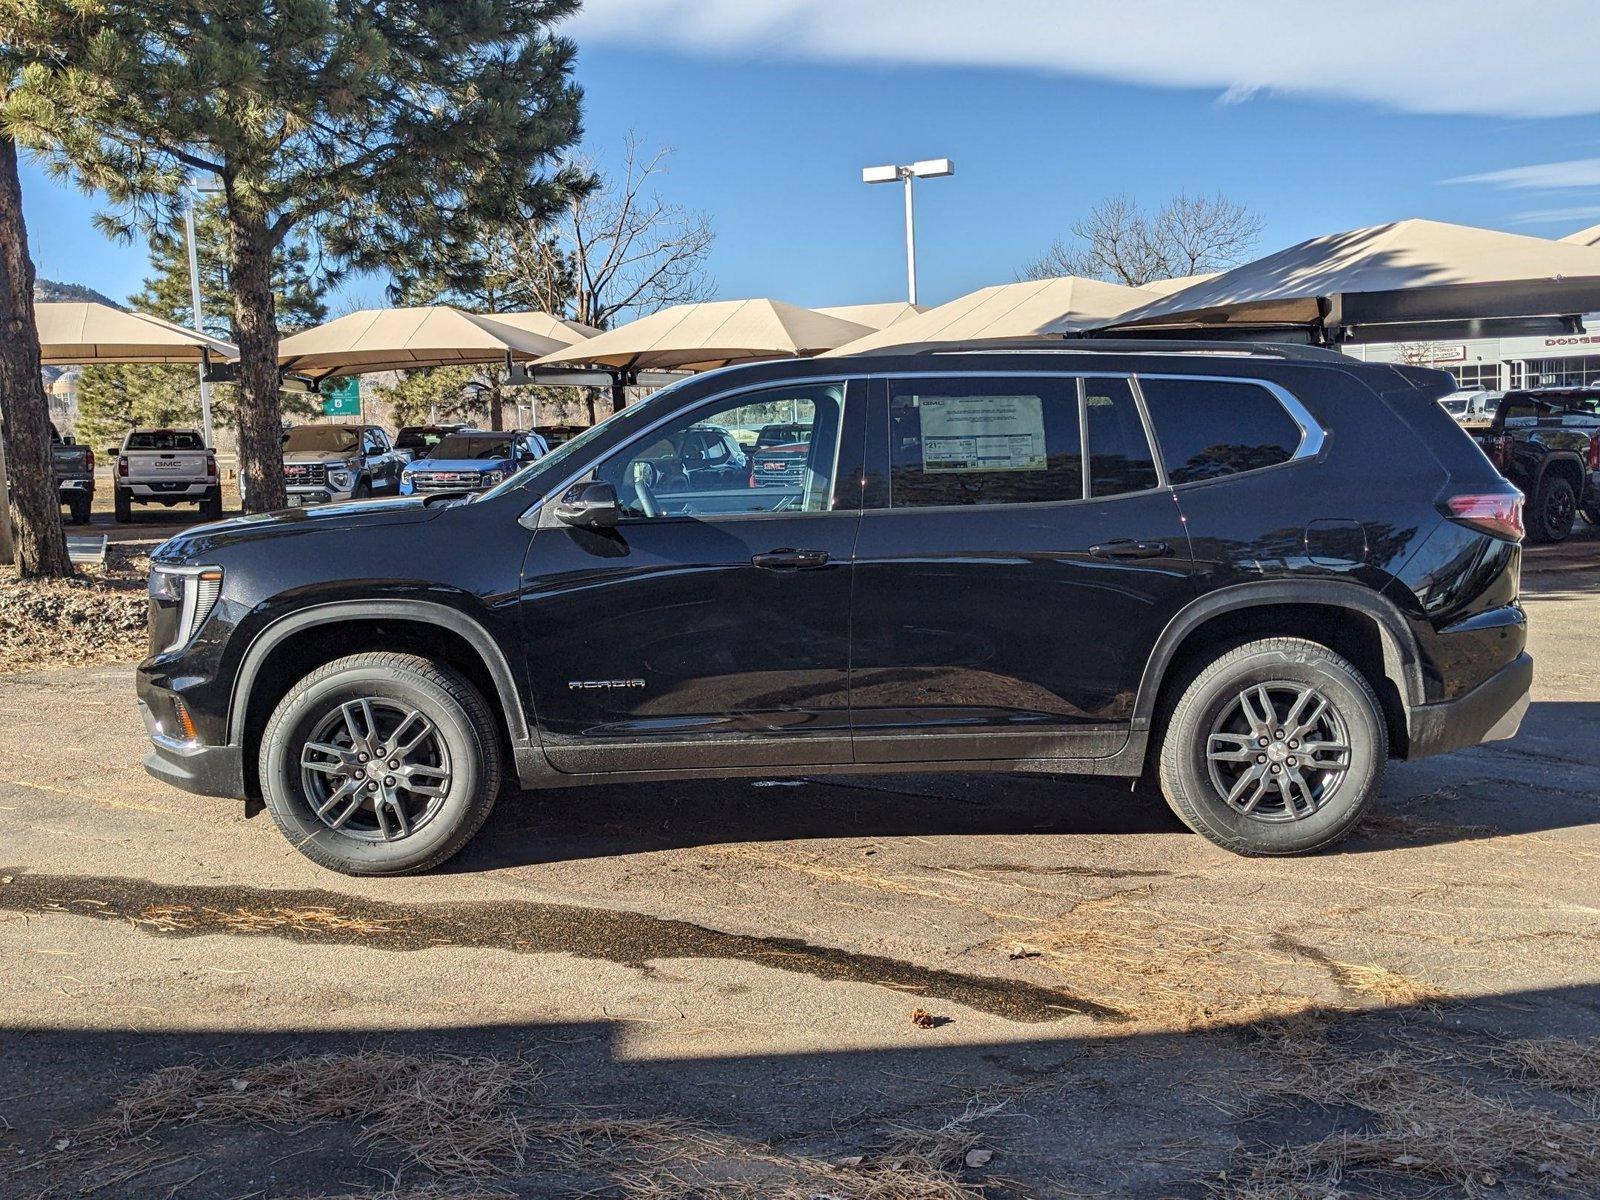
x=376, y=769
x=1278, y=751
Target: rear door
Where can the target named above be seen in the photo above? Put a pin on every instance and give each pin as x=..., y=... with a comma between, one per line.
x=165, y=456
x=711, y=627
x=1019, y=556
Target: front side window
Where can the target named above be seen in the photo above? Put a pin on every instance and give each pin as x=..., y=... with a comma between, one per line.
x=1211, y=428
x=711, y=462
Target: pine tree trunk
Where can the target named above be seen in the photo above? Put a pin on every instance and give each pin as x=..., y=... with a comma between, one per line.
x=259, y=418
x=41, y=546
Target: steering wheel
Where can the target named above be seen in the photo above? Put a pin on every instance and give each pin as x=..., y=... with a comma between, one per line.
x=646, y=498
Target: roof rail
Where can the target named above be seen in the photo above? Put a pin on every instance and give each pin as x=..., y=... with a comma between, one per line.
x=1109, y=345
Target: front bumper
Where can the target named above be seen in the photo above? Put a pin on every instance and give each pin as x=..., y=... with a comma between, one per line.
x=316, y=494
x=204, y=770
x=1490, y=712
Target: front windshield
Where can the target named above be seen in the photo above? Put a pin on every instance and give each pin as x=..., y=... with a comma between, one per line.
x=546, y=470
x=336, y=438
x=456, y=446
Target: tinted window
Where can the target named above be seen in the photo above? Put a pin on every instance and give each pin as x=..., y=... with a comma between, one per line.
x=1209, y=428
x=702, y=464
x=337, y=438
x=164, y=439
x=457, y=446
x=984, y=441
x=1119, y=451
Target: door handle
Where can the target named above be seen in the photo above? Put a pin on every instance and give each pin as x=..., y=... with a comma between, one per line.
x=790, y=560
x=1124, y=548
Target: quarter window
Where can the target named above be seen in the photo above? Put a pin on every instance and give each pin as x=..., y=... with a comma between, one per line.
x=773, y=451
x=1119, y=451
x=1210, y=428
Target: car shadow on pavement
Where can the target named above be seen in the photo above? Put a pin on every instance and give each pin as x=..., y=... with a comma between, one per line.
x=1539, y=781
x=1392, y=1101
x=605, y=820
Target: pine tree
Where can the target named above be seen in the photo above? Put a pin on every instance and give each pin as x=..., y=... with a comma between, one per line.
x=382, y=128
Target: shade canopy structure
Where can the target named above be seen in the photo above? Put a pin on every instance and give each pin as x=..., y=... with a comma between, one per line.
x=1410, y=280
x=87, y=333
x=698, y=337
x=1166, y=287
x=875, y=316
x=559, y=329
x=1584, y=237
x=401, y=339
x=1034, y=308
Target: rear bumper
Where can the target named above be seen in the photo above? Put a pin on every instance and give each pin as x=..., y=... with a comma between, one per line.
x=155, y=491
x=1490, y=712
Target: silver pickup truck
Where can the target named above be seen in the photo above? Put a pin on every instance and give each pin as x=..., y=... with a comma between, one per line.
x=166, y=467
x=72, y=467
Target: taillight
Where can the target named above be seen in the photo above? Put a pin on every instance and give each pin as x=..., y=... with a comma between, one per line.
x=89, y=455
x=1497, y=513
x=211, y=465
x=1594, y=452
x=122, y=465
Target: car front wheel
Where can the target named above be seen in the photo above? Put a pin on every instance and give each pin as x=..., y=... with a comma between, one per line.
x=380, y=764
x=1554, y=508
x=1275, y=748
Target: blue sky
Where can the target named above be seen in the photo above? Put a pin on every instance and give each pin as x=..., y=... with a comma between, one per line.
x=769, y=133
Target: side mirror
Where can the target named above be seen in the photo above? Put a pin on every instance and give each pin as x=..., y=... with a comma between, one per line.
x=69, y=440
x=589, y=506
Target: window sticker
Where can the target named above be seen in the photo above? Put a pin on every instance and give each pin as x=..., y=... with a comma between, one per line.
x=982, y=433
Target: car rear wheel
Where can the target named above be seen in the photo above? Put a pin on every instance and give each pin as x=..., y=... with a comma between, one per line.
x=211, y=505
x=1275, y=748
x=79, y=507
x=1555, y=507
x=380, y=764
x=121, y=504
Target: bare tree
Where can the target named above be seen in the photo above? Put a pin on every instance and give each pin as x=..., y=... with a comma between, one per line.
x=1121, y=243
x=628, y=250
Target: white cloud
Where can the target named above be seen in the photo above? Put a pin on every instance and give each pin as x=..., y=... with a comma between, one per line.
x=1416, y=55
x=1582, y=214
x=1573, y=173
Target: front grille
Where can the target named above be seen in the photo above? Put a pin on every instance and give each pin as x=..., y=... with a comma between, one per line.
x=445, y=481
x=305, y=474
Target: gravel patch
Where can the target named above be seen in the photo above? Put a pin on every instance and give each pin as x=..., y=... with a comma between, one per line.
x=99, y=617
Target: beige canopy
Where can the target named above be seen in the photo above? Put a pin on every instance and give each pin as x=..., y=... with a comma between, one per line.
x=1166, y=287
x=1010, y=310
x=697, y=337
x=80, y=334
x=546, y=325
x=1584, y=237
x=399, y=339
x=875, y=316
x=1391, y=282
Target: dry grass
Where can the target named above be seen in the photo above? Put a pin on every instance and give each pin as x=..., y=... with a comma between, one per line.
x=1422, y=1123
x=98, y=617
x=1391, y=988
x=170, y=918
x=474, y=1123
x=1564, y=1064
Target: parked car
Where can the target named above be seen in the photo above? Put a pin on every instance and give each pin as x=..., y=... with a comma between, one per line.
x=779, y=456
x=471, y=461
x=323, y=463
x=72, y=467
x=414, y=441
x=1547, y=442
x=166, y=467
x=1472, y=407
x=1256, y=575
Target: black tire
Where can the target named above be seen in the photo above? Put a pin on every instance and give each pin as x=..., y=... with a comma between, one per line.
x=1554, y=508
x=122, y=505
x=469, y=750
x=211, y=505
x=363, y=490
x=1333, y=801
x=79, y=508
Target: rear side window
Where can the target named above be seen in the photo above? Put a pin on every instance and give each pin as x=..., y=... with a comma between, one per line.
x=1210, y=428
x=1119, y=451
x=984, y=441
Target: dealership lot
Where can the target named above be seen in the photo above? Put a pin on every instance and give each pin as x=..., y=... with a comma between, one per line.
x=712, y=985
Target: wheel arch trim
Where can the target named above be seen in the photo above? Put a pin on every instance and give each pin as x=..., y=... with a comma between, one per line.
x=1402, y=659
x=339, y=611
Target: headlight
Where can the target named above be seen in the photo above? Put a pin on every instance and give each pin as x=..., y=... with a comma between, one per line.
x=407, y=473
x=194, y=590
x=340, y=480
x=493, y=476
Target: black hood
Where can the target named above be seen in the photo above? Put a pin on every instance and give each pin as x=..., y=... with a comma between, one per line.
x=194, y=545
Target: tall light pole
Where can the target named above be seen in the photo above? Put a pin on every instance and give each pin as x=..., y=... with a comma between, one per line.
x=927, y=168
x=196, y=188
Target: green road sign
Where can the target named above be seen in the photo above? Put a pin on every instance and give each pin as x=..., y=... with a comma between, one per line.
x=341, y=397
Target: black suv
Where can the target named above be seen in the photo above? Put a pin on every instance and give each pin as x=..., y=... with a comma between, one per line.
x=1257, y=572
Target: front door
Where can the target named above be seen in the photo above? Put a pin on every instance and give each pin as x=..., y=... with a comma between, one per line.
x=1018, y=558
x=711, y=626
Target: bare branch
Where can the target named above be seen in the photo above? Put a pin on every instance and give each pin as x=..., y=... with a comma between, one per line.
x=1121, y=243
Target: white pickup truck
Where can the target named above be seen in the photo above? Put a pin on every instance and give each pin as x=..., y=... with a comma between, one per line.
x=166, y=467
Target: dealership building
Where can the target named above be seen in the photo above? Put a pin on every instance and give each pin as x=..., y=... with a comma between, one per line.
x=1499, y=363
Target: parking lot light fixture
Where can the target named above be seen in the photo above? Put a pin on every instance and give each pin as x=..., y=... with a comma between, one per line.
x=908, y=174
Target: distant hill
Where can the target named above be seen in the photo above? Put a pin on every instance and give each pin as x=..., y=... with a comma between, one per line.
x=48, y=291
